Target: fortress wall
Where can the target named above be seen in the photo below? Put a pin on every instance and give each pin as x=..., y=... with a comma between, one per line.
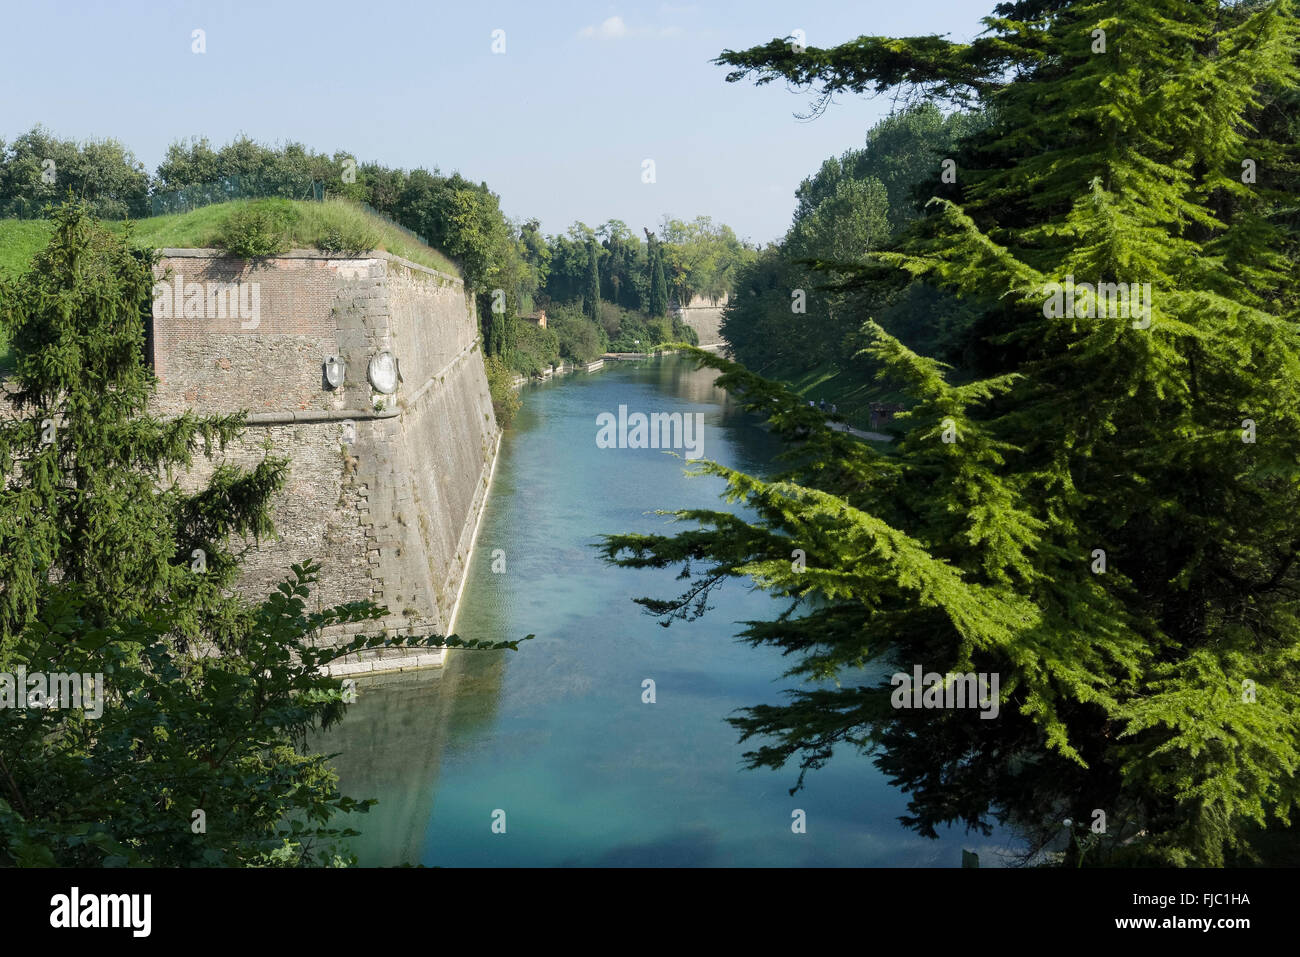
x=272, y=363
x=705, y=317
x=437, y=460
x=391, y=516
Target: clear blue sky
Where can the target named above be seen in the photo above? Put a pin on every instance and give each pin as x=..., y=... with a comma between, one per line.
x=558, y=125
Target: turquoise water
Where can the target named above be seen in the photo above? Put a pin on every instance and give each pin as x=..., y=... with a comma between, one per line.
x=556, y=735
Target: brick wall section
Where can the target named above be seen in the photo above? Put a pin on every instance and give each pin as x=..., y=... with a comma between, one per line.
x=216, y=365
x=392, y=516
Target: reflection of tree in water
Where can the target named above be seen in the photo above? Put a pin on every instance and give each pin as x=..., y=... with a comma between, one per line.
x=391, y=744
x=955, y=772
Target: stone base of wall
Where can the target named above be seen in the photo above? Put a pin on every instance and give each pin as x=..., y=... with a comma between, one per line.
x=431, y=658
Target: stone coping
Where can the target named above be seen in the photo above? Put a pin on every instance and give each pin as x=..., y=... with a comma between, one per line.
x=175, y=252
x=292, y=416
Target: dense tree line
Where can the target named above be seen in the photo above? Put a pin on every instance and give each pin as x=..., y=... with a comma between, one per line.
x=38, y=169
x=798, y=305
x=680, y=261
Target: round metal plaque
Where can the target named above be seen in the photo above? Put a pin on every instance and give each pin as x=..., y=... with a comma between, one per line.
x=383, y=373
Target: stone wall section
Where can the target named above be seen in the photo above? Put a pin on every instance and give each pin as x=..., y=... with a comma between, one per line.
x=390, y=516
x=705, y=317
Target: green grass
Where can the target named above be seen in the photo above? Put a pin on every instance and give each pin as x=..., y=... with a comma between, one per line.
x=842, y=388
x=311, y=226
x=312, y=223
x=20, y=240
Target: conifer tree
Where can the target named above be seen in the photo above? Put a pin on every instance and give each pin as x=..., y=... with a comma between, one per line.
x=1104, y=516
x=660, y=288
x=591, y=296
x=658, y=304
x=177, y=757
x=82, y=456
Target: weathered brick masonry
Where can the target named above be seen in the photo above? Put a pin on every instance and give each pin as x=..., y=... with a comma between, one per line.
x=391, y=516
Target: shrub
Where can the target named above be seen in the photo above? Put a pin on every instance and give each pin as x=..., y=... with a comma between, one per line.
x=348, y=237
x=684, y=333
x=535, y=349
x=505, y=401
x=630, y=331
x=579, y=338
x=634, y=335
x=260, y=228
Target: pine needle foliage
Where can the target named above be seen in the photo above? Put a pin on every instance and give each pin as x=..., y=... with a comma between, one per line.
x=199, y=755
x=83, y=459
x=1155, y=682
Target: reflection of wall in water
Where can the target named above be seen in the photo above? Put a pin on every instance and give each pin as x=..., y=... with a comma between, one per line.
x=683, y=378
x=391, y=745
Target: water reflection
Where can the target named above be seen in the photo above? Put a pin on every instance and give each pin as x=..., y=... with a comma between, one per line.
x=391, y=745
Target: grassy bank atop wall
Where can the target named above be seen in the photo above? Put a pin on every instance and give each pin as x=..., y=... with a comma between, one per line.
x=20, y=240
x=331, y=225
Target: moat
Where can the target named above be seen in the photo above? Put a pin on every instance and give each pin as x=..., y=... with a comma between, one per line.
x=556, y=735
